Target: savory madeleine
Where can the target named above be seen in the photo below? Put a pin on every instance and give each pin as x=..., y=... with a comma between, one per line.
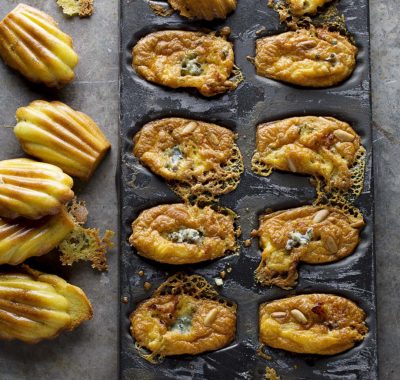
x=36, y=306
x=59, y=135
x=32, y=189
x=309, y=234
x=205, y=9
x=31, y=43
x=321, y=324
x=176, y=58
x=23, y=238
x=184, y=316
x=321, y=146
x=195, y=157
x=306, y=57
x=183, y=234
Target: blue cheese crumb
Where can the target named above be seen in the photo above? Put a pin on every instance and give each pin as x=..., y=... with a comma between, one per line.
x=296, y=239
x=186, y=235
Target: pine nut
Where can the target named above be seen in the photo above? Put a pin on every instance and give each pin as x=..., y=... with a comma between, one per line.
x=291, y=165
x=343, y=135
x=331, y=244
x=211, y=317
x=278, y=314
x=298, y=316
x=320, y=216
x=189, y=128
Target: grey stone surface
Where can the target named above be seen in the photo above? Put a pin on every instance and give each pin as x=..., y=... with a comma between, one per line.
x=91, y=351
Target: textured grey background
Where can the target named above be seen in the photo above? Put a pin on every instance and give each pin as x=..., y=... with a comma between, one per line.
x=91, y=351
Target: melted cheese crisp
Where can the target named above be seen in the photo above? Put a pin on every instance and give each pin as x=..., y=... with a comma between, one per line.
x=176, y=58
x=205, y=9
x=310, y=234
x=182, y=234
x=320, y=324
x=321, y=146
x=311, y=58
x=303, y=7
x=181, y=324
x=36, y=306
x=193, y=156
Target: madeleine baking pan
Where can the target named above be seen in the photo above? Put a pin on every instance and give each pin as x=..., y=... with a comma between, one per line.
x=255, y=101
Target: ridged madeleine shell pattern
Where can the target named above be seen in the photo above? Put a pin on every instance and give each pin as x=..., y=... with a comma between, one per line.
x=31, y=43
x=36, y=306
x=59, y=135
x=22, y=238
x=32, y=189
x=204, y=9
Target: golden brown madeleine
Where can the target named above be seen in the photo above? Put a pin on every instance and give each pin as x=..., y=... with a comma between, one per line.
x=310, y=234
x=311, y=58
x=36, y=306
x=193, y=156
x=321, y=146
x=322, y=324
x=22, y=238
x=205, y=9
x=183, y=234
x=31, y=43
x=176, y=58
x=179, y=323
x=59, y=135
x=32, y=189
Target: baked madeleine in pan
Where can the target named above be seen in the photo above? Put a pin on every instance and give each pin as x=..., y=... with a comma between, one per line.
x=321, y=324
x=31, y=43
x=205, y=9
x=306, y=57
x=324, y=147
x=59, y=135
x=32, y=189
x=309, y=234
x=23, y=238
x=36, y=306
x=196, y=158
x=183, y=234
x=184, y=316
x=177, y=58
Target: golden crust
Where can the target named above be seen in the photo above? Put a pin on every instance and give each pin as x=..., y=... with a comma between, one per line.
x=36, y=306
x=332, y=324
x=303, y=7
x=31, y=43
x=334, y=235
x=311, y=58
x=22, y=238
x=32, y=189
x=59, y=135
x=205, y=9
x=321, y=146
x=181, y=324
x=193, y=156
x=183, y=234
x=177, y=58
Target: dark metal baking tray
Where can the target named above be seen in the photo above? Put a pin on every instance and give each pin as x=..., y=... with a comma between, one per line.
x=256, y=100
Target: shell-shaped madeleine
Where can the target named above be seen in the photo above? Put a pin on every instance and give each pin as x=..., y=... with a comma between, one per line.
x=59, y=135
x=323, y=324
x=205, y=9
x=23, y=238
x=31, y=43
x=32, y=189
x=36, y=306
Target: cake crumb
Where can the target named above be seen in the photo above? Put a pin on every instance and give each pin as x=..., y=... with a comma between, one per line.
x=147, y=285
x=247, y=243
x=81, y=8
x=141, y=273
